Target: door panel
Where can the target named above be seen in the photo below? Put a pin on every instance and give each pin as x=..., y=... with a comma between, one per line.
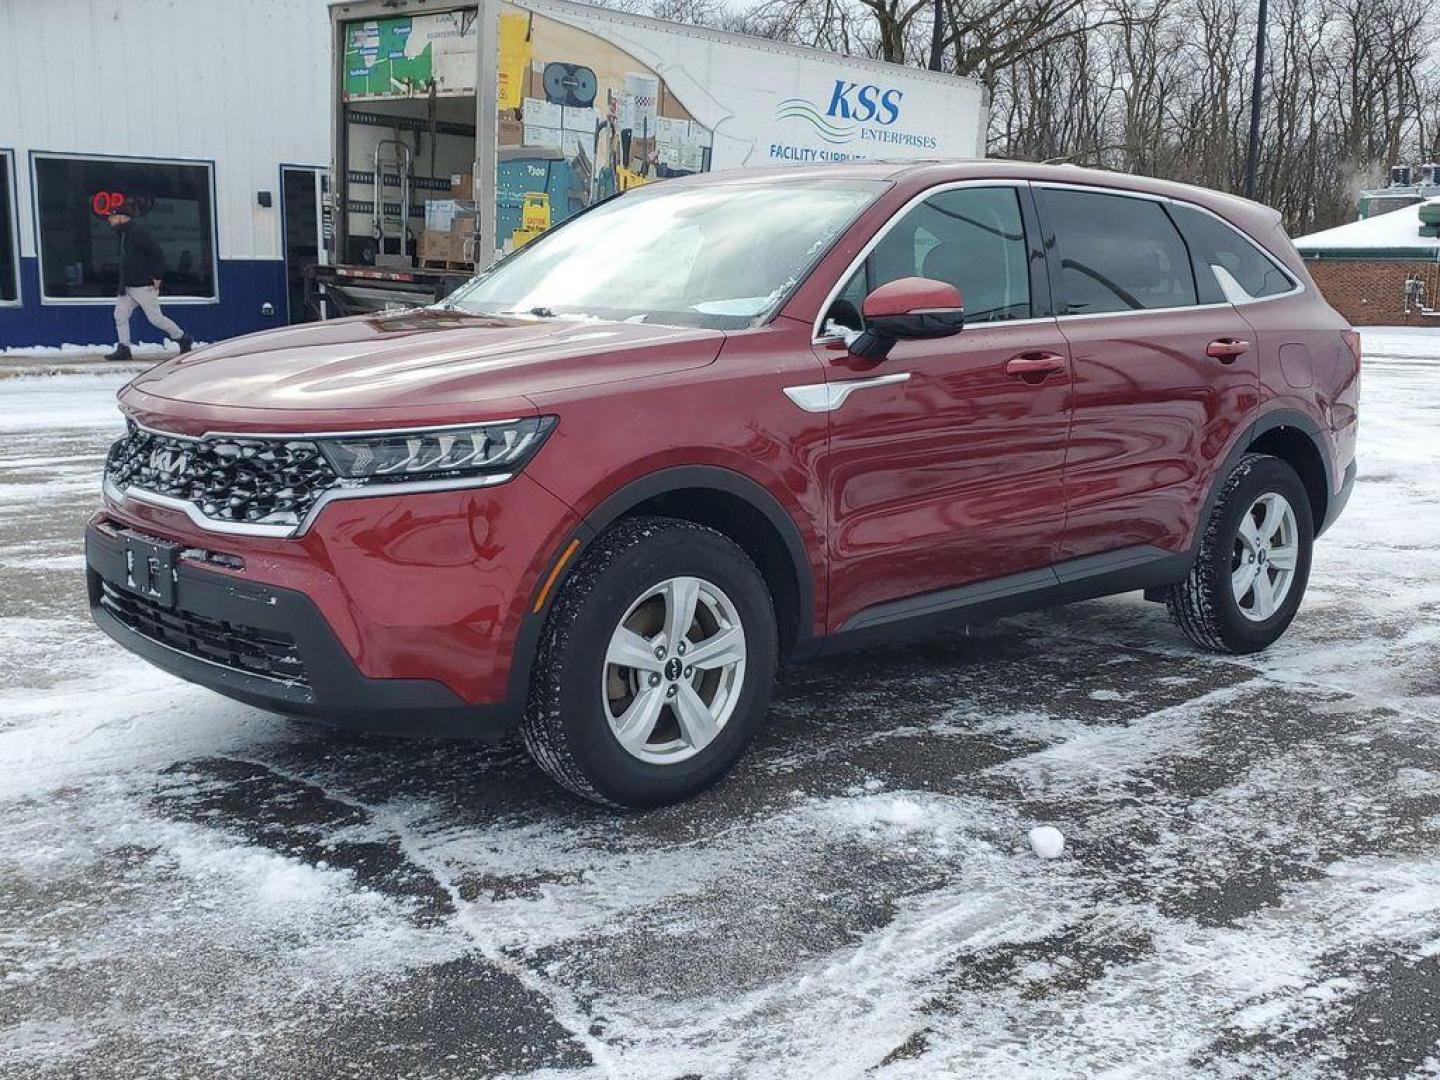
x=1154, y=412
x=1154, y=416
x=953, y=475
x=950, y=477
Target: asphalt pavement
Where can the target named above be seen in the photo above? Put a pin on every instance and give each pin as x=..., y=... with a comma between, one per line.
x=1250, y=887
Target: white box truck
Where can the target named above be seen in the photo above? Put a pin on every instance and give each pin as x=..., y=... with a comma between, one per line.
x=463, y=131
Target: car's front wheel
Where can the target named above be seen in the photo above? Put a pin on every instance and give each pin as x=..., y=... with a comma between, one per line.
x=655, y=665
x=1254, y=560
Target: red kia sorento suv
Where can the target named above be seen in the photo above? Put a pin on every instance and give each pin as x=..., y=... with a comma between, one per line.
x=725, y=421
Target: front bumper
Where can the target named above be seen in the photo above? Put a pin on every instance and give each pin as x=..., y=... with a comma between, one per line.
x=396, y=615
x=266, y=646
x=426, y=587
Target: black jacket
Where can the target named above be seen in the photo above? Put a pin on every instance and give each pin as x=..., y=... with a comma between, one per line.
x=141, y=260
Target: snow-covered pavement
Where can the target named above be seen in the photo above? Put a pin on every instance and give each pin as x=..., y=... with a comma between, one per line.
x=1250, y=884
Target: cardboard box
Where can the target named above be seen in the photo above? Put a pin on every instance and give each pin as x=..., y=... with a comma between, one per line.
x=449, y=231
x=543, y=136
x=578, y=119
x=441, y=214
x=434, y=246
x=462, y=186
x=541, y=114
x=447, y=247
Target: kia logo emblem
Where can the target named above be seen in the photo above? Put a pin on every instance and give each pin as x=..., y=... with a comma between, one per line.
x=168, y=462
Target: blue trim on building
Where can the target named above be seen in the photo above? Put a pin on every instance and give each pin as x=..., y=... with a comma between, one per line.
x=245, y=286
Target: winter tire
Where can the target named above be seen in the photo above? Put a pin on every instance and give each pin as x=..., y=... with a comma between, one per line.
x=1254, y=560
x=655, y=665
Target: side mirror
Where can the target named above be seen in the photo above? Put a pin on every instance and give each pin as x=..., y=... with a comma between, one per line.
x=910, y=307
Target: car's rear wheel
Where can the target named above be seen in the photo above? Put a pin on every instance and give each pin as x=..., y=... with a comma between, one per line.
x=655, y=666
x=1254, y=560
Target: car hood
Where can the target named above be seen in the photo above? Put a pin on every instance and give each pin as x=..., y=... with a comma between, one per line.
x=424, y=364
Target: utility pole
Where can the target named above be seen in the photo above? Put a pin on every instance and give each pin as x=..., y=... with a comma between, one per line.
x=937, y=35
x=1252, y=152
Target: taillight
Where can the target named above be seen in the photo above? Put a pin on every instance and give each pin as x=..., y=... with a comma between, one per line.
x=1352, y=342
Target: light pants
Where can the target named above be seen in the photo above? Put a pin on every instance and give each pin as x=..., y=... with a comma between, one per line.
x=147, y=299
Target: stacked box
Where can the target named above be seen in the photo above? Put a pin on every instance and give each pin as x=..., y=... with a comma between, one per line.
x=449, y=231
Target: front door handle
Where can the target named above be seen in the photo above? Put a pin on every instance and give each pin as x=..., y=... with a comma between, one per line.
x=1033, y=367
x=1227, y=349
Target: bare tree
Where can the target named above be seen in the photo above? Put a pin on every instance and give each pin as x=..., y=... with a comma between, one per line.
x=1158, y=86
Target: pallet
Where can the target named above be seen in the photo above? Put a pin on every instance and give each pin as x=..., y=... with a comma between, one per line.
x=447, y=264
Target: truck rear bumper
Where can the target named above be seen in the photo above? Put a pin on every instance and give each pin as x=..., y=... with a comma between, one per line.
x=269, y=647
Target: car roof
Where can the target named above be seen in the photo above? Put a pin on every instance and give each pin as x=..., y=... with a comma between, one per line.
x=921, y=174
x=910, y=178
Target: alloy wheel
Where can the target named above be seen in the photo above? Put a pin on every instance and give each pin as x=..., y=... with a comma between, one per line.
x=1266, y=552
x=674, y=670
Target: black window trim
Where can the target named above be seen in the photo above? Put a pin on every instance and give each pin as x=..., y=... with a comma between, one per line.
x=1267, y=256
x=1166, y=201
x=1039, y=299
x=144, y=159
x=14, y=185
x=1030, y=215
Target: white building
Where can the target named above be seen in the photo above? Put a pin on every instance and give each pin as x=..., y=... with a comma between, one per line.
x=210, y=115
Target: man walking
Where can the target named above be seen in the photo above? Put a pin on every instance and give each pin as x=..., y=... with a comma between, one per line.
x=142, y=265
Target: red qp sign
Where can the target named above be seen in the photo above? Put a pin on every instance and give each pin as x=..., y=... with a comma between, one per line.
x=105, y=203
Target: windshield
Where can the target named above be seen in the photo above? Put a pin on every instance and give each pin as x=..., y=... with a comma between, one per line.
x=718, y=255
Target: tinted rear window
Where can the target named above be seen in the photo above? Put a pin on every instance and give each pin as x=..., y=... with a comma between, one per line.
x=1227, y=266
x=1116, y=253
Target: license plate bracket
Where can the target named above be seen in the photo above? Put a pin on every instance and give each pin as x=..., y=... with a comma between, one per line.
x=150, y=568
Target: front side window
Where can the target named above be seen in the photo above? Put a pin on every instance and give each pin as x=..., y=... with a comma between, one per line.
x=9, y=270
x=972, y=238
x=718, y=255
x=1227, y=266
x=1116, y=253
x=80, y=253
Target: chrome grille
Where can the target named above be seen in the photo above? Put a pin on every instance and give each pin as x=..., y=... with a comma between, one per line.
x=249, y=481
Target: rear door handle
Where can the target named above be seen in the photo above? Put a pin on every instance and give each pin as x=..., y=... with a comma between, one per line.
x=1227, y=349
x=1033, y=367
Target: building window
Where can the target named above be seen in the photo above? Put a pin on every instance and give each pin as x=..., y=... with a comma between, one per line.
x=9, y=248
x=79, y=252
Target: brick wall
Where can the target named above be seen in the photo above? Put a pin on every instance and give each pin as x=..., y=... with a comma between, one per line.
x=1371, y=292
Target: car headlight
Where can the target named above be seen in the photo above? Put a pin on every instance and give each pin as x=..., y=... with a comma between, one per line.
x=502, y=447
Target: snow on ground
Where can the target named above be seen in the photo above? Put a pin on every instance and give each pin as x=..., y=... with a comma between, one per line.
x=73, y=351
x=1249, y=885
x=1392, y=343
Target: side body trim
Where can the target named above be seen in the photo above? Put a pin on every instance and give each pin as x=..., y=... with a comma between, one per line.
x=1124, y=570
x=827, y=397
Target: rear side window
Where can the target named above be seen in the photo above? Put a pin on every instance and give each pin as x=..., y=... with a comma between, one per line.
x=1116, y=253
x=972, y=238
x=1228, y=266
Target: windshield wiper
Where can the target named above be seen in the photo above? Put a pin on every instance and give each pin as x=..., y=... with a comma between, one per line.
x=538, y=312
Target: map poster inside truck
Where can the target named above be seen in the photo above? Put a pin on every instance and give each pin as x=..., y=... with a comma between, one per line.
x=408, y=55
x=578, y=103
